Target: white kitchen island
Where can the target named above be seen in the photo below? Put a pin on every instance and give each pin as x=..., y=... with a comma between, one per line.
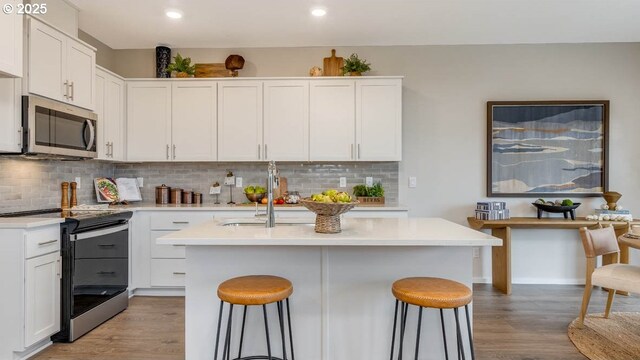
x=342, y=307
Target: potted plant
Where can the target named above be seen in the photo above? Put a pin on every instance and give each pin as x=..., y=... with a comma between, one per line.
x=369, y=194
x=182, y=67
x=354, y=66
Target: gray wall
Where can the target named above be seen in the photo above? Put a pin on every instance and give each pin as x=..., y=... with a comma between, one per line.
x=105, y=56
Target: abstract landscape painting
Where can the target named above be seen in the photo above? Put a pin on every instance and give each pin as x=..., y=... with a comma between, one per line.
x=553, y=148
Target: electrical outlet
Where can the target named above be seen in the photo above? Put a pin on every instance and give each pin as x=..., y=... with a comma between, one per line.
x=238, y=181
x=476, y=252
x=368, y=181
x=413, y=181
x=79, y=182
x=140, y=182
x=343, y=182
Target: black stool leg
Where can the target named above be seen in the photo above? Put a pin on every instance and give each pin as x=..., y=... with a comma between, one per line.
x=418, y=335
x=227, y=340
x=266, y=328
x=393, y=336
x=215, y=353
x=466, y=310
x=290, y=331
x=460, y=346
x=281, y=320
x=403, y=323
x=244, y=319
x=444, y=336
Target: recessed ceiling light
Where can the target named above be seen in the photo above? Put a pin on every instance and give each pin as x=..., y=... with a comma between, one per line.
x=174, y=14
x=318, y=12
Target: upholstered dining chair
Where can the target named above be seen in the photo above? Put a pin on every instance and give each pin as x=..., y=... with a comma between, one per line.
x=614, y=276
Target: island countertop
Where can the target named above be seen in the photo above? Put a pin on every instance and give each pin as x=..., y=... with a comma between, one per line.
x=355, y=232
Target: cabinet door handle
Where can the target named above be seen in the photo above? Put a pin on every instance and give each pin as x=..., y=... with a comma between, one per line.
x=180, y=245
x=111, y=149
x=106, y=245
x=167, y=151
x=66, y=89
x=265, y=152
x=59, y=267
x=179, y=273
x=351, y=151
x=174, y=152
x=106, y=273
x=259, y=152
x=180, y=222
x=72, y=91
x=358, y=151
x=42, y=243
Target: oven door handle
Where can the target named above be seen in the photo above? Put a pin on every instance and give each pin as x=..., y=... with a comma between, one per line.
x=101, y=232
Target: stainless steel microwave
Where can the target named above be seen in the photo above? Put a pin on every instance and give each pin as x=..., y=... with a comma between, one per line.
x=55, y=129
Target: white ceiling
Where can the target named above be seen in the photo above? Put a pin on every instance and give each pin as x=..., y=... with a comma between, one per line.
x=130, y=24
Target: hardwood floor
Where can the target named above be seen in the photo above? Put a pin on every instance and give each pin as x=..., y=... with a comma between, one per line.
x=531, y=324
x=152, y=328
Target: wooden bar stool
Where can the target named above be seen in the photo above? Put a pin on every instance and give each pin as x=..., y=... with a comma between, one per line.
x=429, y=292
x=250, y=291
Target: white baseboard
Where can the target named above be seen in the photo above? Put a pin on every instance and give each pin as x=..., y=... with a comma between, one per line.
x=158, y=292
x=531, y=281
x=32, y=350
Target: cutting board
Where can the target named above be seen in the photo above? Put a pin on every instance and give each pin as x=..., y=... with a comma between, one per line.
x=333, y=65
x=213, y=71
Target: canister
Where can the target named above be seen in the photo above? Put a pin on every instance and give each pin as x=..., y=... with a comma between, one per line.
x=197, y=198
x=187, y=197
x=176, y=196
x=163, y=194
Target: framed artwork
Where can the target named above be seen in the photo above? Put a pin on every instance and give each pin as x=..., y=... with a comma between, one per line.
x=547, y=148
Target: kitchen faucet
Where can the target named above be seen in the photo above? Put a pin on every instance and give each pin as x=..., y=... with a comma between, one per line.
x=272, y=180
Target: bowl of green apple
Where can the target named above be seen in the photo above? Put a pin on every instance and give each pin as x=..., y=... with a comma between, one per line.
x=328, y=206
x=255, y=193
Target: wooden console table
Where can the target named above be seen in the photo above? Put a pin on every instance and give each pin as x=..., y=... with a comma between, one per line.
x=501, y=255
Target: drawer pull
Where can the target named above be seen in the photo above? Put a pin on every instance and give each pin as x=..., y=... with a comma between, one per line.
x=47, y=242
x=180, y=222
x=179, y=245
x=106, y=245
x=106, y=272
x=179, y=273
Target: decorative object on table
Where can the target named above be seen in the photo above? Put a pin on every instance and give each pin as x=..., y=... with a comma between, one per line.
x=74, y=194
x=234, y=63
x=369, y=195
x=120, y=190
x=328, y=207
x=354, y=66
x=163, y=58
x=197, y=198
x=64, y=201
x=187, y=197
x=216, y=189
x=216, y=70
x=612, y=197
x=292, y=197
x=182, y=67
x=255, y=194
x=566, y=207
x=230, y=181
x=332, y=65
x=539, y=148
x=163, y=194
x=611, y=215
x=315, y=71
x=176, y=196
x=492, y=210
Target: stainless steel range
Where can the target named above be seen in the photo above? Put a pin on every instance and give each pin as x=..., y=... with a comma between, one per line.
x=95, y=268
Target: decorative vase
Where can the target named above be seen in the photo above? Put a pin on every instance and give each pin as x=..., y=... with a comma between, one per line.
x=611, y=197
x=163, y=59
x=234, y=62
x=182, y=74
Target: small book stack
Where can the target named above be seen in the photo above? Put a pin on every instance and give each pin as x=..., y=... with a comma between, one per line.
x=492, y=210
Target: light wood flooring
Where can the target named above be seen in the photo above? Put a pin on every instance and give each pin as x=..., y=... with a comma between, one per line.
x=531, y=324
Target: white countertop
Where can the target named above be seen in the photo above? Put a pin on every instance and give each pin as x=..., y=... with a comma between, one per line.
x=225, y=207
x=355, y=232
x=28, y=222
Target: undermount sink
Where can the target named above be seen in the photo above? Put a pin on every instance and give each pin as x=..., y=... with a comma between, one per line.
x=261, y=223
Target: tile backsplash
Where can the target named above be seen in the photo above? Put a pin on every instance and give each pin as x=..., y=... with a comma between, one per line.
x=34, y=184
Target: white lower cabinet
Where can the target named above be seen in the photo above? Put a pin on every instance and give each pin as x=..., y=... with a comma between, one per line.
x=42, y=297
x=168, y=272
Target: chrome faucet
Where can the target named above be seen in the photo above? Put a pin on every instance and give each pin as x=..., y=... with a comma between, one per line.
x=273, y=179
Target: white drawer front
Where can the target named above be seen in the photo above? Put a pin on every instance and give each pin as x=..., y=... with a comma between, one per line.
x=165, y=251
x=168, y=272
x=176, y=220
x=42, y=241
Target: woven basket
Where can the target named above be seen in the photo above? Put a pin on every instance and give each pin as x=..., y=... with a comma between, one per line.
x=328, y=214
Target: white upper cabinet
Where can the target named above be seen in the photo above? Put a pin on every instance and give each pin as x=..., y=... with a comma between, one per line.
x=10, y=116
x=60, y=67
x=286, y=120
x=149, y=121
x=110, y=107
x=11, y=42
x=379, y=120
x=193, y=121
x=240, y=121
x=332, y=120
